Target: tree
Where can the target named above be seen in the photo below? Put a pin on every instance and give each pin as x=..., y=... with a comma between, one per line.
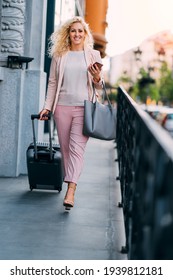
x=166, y=84
x=145, y=86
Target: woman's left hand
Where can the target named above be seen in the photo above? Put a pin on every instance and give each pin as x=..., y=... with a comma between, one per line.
x=95, y=72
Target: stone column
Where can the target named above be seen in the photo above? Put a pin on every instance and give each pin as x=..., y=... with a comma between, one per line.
x=12, y=28
x=22, y=91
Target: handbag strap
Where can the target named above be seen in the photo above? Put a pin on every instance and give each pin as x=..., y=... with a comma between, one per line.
x=105, y=94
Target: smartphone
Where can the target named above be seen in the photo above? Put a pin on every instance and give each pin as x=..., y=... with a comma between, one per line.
x=99, y=65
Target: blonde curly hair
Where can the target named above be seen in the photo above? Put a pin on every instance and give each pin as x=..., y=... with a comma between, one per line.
x=59, y=42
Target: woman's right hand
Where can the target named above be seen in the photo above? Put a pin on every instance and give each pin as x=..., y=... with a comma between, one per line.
x=43, y=113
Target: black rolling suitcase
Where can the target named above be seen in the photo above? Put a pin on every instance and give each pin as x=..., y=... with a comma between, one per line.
x=44, y=163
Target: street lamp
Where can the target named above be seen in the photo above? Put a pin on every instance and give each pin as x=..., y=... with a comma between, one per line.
x=161, y=54
x=137, y=54
x=16, y=61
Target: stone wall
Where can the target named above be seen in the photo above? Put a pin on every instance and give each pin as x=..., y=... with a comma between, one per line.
x=12, y=29
x=22, y=91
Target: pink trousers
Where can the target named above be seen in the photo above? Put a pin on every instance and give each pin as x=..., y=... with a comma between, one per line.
x=69, y=124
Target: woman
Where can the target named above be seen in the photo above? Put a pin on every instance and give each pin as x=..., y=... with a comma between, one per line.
x=70, y=83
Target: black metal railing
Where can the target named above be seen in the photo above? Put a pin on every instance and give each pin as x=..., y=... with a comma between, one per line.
x=145, y=159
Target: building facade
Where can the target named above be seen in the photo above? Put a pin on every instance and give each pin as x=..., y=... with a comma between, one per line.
x=25, y=26
x=149, y=54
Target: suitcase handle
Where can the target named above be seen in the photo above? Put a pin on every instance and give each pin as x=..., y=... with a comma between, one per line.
x=37, y=116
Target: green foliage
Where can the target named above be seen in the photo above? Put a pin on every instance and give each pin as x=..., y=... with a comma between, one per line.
x=141, y=93
x=145, y=86
x=113, y=96
x=166, y=84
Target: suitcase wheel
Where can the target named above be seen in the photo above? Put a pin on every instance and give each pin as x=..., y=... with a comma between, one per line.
x=31, y=188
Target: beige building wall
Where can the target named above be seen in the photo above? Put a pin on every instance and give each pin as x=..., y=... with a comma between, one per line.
x=149, y=57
